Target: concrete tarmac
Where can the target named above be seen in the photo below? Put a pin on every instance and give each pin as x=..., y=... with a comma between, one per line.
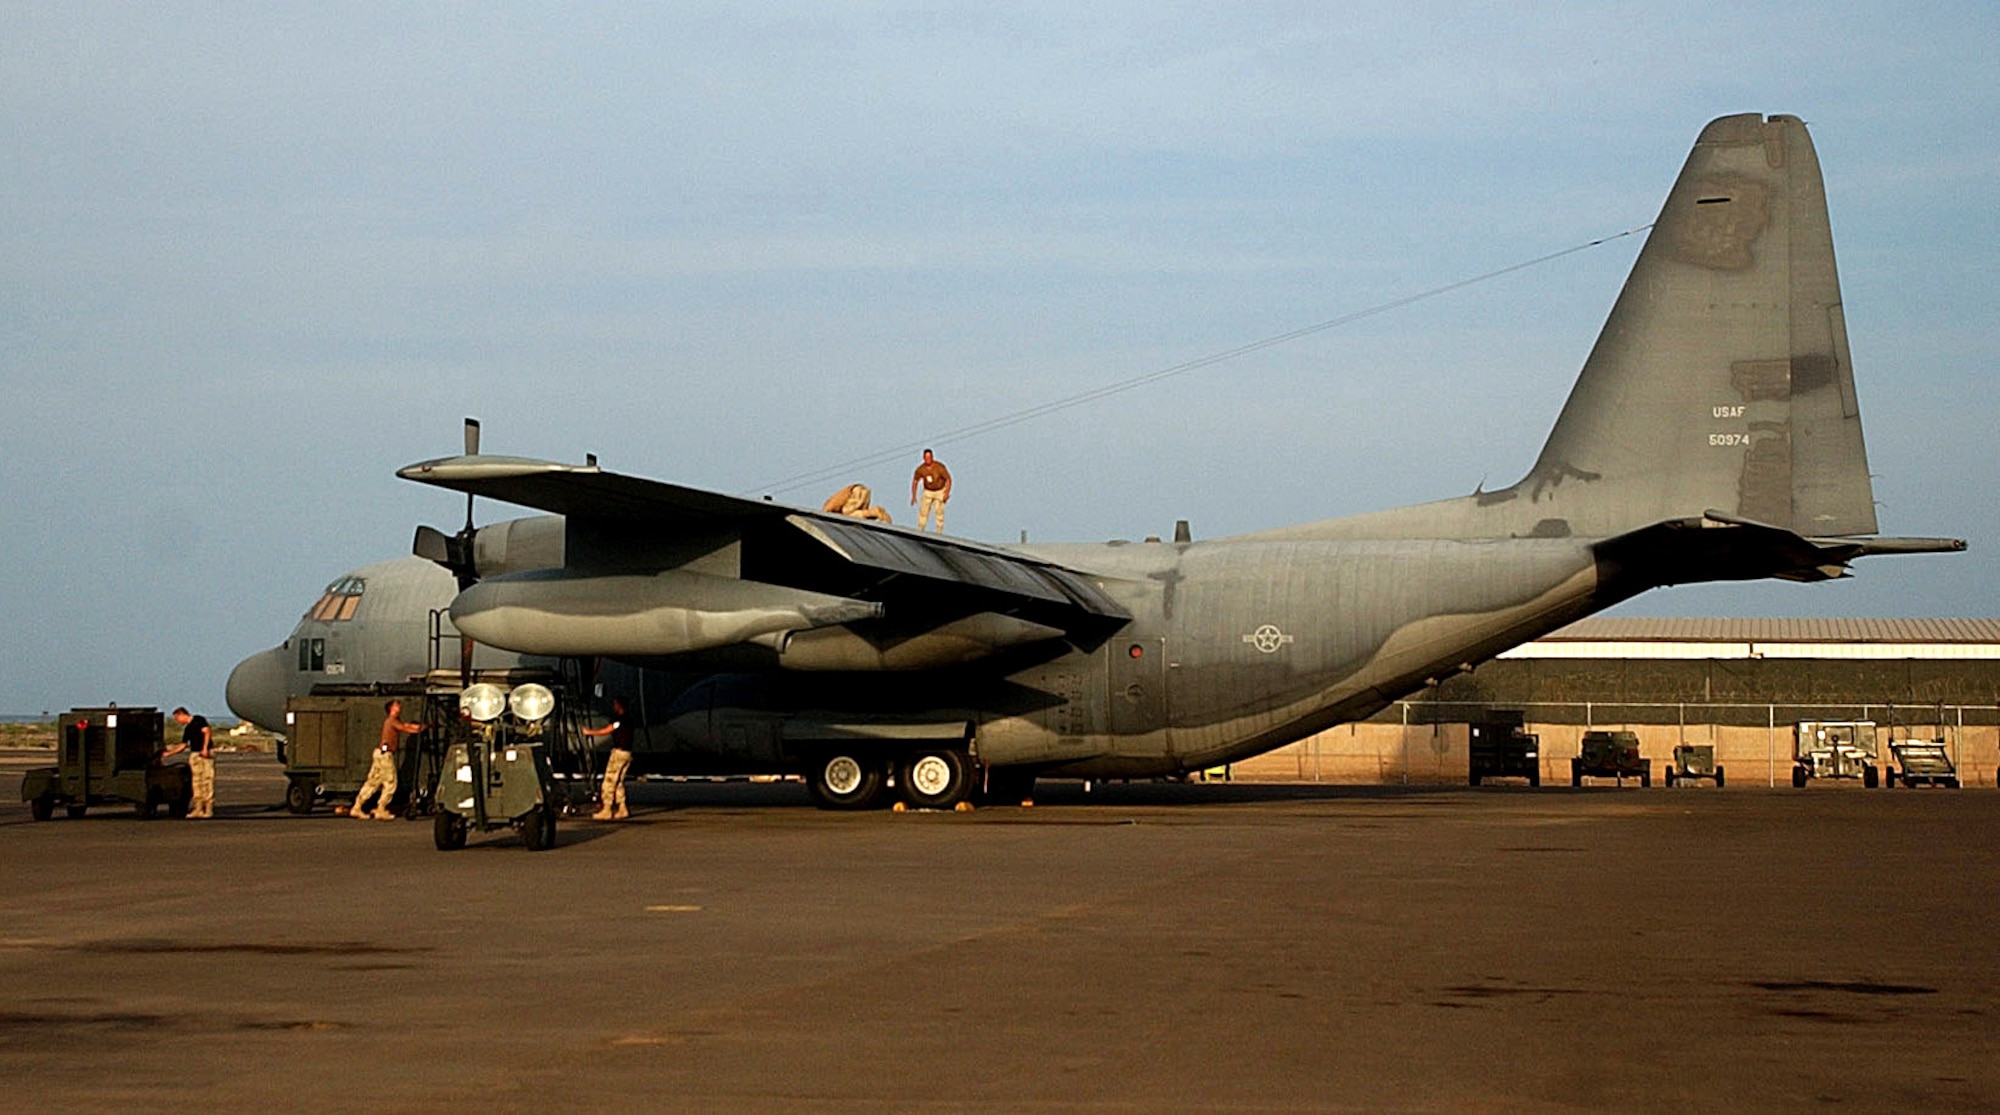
x=1239, y=948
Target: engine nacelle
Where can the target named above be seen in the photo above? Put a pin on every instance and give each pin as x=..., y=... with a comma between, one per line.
x=554, y=612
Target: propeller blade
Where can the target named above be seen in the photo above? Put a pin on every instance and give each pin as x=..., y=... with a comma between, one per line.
x=432, y=544
x=472, y=437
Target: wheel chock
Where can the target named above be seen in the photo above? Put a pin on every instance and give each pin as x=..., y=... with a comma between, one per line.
x=899, y=807
x=962, y=807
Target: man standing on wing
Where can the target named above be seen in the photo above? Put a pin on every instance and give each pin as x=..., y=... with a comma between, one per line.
x=935, y=480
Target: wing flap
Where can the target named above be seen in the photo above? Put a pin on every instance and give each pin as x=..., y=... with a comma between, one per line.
x=920, y=555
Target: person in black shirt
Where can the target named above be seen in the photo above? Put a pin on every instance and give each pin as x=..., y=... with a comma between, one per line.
x=611, y=796
x=196, y=740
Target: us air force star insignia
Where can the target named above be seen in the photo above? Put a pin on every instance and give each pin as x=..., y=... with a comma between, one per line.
x=1267, y=638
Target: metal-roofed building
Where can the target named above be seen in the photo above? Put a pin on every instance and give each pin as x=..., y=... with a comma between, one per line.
x=1739, y=684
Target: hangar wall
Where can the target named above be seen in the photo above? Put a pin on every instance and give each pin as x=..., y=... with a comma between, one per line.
x=1737, y=684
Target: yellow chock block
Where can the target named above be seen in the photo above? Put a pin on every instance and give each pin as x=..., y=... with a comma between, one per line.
x=899, y=807
x=962, y=807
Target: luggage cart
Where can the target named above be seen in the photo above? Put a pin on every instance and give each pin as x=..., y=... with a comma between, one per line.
x=1921, y=762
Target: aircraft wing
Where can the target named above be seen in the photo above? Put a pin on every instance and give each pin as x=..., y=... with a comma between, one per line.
x=582, y=491
x=625, y=525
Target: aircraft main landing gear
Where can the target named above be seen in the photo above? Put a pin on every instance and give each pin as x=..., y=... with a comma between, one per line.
x=846, y=780
x=938, y=778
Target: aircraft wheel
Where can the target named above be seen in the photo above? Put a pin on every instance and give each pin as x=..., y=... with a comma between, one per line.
x=41, y=809
x=937, y=779
x=299, y=796
x=538, y=828
x=448, y=832
x=1798, y=778
x=77, y=809
x=839, y=780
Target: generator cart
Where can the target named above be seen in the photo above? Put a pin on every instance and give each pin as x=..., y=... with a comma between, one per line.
x=1835, y=749
x=105, y=755
x=1694, y=762
x=331, y=738
x=1500, y=749
x=1921, y=762
x=1610, y=755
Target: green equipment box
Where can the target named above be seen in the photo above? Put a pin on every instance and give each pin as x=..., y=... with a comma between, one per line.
x=1693, y=762
x=106, y=755
x=1498, y=748
x=1610, y=755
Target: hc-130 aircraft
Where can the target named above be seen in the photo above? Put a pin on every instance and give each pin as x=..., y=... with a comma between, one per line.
x=1713, y=434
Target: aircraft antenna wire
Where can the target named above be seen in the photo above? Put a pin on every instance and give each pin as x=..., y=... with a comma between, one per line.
x=1017, y=417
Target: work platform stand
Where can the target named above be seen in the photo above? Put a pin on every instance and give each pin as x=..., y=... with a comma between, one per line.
x=571, y=759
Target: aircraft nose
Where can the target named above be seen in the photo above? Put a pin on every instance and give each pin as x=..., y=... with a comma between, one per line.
x=257, y=689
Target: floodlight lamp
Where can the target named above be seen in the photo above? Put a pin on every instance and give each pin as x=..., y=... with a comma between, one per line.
x=483, y=702
x=531, y=701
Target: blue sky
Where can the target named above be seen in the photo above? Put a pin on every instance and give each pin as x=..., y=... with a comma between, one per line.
x=254, y=260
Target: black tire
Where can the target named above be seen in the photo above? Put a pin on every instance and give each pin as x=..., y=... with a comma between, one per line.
x=1646, y=777
x=936, y=778
x=1718, y=778
x=538, y=828
x=448, y=832
x=1870, y=777
x=144, y=809
x=844, y=780
x=300, y=795
x=1575, y=773
x=1889, y=780
x=76, y=809
x=1798, y=778
x=1951, y=783
x=1535, y=777
x=41, y=809
x=1670, y=778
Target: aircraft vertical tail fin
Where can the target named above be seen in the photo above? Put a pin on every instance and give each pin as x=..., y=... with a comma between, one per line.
x=1721, y=379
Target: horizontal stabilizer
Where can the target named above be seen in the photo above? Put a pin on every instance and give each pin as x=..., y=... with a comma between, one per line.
x=1718, y=546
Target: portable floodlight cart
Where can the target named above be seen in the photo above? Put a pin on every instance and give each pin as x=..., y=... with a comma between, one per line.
x=496, y=774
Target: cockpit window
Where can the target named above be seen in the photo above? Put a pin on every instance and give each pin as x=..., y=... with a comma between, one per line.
x=339, y=601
